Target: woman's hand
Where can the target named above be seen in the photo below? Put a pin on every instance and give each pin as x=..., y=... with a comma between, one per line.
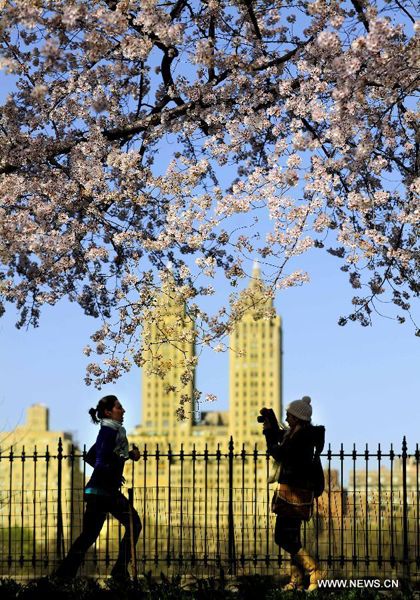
x=267, y=425
x=135, y=453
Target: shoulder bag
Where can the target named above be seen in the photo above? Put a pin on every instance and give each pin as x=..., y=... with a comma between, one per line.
x=291, y=501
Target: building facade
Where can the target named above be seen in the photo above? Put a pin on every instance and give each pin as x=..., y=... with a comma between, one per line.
x=41, y=484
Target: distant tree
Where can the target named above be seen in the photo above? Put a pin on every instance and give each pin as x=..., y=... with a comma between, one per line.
x=283, y=121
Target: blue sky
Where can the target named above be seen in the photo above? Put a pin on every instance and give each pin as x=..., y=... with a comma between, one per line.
x=364, y=382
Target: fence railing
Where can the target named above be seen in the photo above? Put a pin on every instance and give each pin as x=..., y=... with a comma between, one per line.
x=206, y=509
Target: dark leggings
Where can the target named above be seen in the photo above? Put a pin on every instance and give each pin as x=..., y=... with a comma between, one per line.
x=97, y=508
x=287, y=534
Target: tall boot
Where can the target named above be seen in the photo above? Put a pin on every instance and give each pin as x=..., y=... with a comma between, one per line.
x=296, y=578
x=311, y=567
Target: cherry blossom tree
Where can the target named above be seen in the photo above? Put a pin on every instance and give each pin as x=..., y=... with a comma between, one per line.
x=204, y=134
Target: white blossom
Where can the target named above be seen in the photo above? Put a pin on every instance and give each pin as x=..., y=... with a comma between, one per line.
x=135, y=136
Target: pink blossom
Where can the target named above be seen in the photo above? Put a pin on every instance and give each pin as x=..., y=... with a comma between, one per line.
x=207, y=135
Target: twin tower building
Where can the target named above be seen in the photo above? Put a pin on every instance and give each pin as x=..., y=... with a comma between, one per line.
x=255, y=378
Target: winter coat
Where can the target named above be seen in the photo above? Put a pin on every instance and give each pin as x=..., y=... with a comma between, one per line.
x=108, y=468
x=295, y=452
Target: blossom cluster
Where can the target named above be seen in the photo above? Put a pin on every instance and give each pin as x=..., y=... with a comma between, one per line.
x=141, y=133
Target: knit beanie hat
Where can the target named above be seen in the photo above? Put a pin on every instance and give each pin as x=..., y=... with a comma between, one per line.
x=301, y=409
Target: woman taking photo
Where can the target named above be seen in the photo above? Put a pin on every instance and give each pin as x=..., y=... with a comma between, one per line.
x=102, y=492
x=295, y=449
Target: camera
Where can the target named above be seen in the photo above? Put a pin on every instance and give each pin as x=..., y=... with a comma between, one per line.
x=267, y=414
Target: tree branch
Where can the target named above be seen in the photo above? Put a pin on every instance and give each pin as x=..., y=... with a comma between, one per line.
x=359, y=9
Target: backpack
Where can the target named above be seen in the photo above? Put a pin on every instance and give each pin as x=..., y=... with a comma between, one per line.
x=318, y=478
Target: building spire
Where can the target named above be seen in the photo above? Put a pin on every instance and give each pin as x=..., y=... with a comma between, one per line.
x=255, y=279
x=256, y=271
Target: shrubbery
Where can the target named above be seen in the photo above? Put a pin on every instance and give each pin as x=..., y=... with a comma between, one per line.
x=149, y=588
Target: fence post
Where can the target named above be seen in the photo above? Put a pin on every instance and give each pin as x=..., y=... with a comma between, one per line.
x=417, y=455
x=132, y=542
x=72, y=459
x=406, y=561
x=60, y=538
x=9, y=554
x=168, y=539
x=34, y=517
x=231, y=529
x=22, y=507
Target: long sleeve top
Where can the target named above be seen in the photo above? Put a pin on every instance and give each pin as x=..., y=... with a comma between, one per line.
x=295, y=451
x=107, y=473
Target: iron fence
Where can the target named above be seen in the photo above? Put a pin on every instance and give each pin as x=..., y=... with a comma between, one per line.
x=208, y=509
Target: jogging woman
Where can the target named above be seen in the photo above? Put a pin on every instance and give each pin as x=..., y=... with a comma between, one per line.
x=102, y=492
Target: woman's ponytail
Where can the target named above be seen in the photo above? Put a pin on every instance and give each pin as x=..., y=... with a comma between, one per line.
x=92, y=412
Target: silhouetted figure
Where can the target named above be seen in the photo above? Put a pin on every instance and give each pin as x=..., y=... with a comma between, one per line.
x=102, y=492
x=297, y=451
